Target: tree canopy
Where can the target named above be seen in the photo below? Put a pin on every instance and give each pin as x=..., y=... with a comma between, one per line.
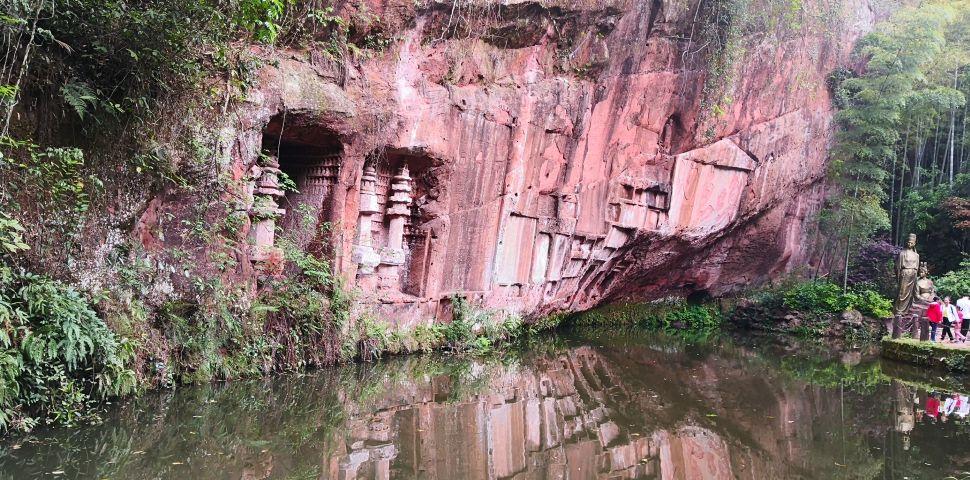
x=902, y=155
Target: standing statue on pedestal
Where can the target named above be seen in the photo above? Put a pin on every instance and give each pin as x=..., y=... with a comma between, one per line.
x=907, y=271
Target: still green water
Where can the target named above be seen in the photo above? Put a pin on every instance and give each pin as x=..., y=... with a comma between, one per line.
x=577, y=406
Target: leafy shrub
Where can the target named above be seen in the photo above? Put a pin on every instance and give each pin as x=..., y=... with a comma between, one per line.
x=871, y=303
x=670, y=316
x=11, y=235
x=824, y=297
x=816, y=297
x=428, y=337
x=548, y=322
x=477, y=329
x=956, y=283
x=58, y=358
x=305, y=314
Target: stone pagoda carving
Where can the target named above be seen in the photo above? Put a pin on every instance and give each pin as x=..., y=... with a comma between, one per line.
x=265, y=210
x=398, y=211
x=364, y=253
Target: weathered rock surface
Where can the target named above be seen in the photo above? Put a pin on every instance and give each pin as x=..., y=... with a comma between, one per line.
x=539, y=156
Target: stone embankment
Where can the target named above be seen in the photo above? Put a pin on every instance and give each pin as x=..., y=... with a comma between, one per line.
x=953, y=357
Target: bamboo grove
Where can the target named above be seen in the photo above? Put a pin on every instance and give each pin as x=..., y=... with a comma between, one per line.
x=902, y=159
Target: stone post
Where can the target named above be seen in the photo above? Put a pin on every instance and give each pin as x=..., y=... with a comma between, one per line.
x=897, y=331
x=382, y=457
x=364, y=253
x=924, y=329
x=398, y=211
x=913, y=327
x=265, y=209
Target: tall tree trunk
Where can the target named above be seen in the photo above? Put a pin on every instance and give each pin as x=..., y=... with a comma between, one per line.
x=936, y=152
x=24, y=65
x=845, y=269
x=896, y=215
x=918, y=162
x=892, y=197
x=953, y=125
x=963, y=138
x=848, y=241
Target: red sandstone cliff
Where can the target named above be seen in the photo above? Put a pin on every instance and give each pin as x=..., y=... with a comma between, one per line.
x=547, y=155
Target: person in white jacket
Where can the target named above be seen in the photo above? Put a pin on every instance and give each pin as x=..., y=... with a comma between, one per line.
x=951, y=317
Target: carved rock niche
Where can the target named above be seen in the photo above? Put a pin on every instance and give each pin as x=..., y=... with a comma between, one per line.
x=392, y=248
x=292, y=185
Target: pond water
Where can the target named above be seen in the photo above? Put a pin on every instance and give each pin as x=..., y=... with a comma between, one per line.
x=576, y=406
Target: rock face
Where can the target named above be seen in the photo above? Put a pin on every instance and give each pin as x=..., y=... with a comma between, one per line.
x=541, y=156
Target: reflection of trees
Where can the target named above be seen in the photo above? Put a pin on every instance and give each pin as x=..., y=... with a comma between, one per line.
x=645, y=405
x=228, y=429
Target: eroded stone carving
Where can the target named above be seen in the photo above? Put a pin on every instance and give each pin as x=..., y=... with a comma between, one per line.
x=364, y=254
x=398, y=211
x=265, y=210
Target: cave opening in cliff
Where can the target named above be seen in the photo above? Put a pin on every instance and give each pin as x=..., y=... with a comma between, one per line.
x=672, y=137
x=309, y=157
x=407, y=188
x=698, y=297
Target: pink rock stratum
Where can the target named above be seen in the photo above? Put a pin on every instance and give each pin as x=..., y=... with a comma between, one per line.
x=550, y=156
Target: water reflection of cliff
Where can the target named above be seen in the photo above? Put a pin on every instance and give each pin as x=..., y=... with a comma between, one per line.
x=637, y=411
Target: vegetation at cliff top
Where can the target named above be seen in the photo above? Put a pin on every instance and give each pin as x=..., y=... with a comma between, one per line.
x=902, y=162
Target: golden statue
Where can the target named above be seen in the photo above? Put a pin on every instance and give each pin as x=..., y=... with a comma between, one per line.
x=925, y=289
x=907, y=269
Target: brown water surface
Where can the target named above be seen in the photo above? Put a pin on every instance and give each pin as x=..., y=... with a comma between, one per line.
x=579, y=406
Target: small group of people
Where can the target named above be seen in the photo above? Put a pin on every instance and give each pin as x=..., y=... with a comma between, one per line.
x=952, y=319
x=939, y=406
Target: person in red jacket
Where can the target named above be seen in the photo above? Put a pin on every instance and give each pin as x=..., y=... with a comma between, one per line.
x=935, y=314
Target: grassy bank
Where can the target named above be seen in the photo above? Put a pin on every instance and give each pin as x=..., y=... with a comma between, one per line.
x=927, y=354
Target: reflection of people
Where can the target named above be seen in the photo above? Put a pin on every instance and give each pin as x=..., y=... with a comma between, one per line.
x=906, y=272
x=951, y=404
x=935, y=315
x=932, y=407
x=963, y=408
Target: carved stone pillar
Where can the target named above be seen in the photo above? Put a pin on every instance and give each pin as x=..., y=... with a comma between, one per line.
x=265, y=210
x=364, y=253
x=398, y=211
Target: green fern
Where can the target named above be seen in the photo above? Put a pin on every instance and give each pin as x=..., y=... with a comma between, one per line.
x=80, y=96
x=58, y=357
